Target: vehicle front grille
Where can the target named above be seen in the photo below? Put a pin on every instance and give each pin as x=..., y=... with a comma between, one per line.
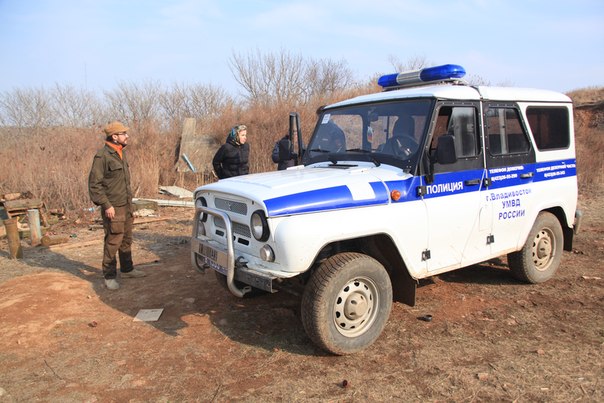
x=231, y=206
x=238, y=229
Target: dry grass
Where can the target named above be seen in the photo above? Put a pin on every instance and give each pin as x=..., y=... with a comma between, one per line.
x=52, y=164
x=589, y=133
x=587, y=95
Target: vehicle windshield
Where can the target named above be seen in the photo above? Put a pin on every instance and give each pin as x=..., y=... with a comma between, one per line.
x=390, y=132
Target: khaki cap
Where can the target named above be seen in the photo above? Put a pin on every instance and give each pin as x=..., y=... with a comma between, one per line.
x=115, y=128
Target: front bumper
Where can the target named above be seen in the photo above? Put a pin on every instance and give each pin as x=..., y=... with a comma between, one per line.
x=206, y=253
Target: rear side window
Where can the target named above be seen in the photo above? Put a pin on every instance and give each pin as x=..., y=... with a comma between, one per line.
x=550, y=127
x=505, y=132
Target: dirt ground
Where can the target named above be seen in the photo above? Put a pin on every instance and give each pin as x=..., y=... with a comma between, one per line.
x=64, y=337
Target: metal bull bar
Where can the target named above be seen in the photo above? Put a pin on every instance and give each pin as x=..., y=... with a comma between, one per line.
x=230, y=249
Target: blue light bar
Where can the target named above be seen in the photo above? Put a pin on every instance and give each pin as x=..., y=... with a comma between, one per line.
x=422, y=76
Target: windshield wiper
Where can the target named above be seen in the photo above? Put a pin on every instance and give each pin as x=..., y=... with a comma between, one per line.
x=319, y=150
x=371, y=158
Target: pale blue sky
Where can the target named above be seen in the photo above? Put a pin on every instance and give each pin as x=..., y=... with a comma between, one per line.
x=97, y=44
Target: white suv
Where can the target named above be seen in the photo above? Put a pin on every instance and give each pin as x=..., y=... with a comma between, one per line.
x=429, y=176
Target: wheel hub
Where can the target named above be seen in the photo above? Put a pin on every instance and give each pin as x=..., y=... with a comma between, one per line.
x=354, y=307
x=542, y=250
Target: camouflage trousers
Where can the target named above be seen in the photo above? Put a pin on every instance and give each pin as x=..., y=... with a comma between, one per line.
x=118, y=240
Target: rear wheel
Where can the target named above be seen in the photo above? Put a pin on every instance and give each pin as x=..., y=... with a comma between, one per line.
x=540, y=256
x=346, y=303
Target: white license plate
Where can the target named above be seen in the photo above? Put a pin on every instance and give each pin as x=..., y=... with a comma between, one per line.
x=216, y=259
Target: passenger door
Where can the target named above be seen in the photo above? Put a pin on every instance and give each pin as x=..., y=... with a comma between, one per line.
x=510, y=159
x=458, y=217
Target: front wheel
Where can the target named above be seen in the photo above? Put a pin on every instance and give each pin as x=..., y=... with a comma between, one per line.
x=540, y=256
x=346, y=303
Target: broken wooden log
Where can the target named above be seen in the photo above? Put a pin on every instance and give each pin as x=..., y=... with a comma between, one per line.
x=49, y=240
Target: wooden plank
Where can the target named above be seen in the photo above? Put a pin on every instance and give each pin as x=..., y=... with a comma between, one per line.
x=75, y=244
x=173, y=203
x=150, y=219
x=23, y=204
x=10, y=196
x=18, y=207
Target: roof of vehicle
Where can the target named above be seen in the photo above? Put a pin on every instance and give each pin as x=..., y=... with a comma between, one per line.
x=461, y=92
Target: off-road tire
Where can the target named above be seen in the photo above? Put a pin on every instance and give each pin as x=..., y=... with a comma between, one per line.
x=346, y=303
x=540, y=256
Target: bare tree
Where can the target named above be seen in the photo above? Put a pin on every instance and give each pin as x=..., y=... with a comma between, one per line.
x=25, y=108
x=287, y=78
x=326, y=77
x=10, y=114
x=199, y=101
x=267, y=77
x=476, y=80
x=139, y=104
x=72, y=107
x=206, y=101
x=173, y=102
x=413, y=63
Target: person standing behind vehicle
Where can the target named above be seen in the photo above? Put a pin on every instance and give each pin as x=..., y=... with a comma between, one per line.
x=232, y=158
x=109, y=187
x=283, y=154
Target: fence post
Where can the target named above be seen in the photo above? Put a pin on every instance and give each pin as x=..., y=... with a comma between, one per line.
x=35, y=233
x=14, y=243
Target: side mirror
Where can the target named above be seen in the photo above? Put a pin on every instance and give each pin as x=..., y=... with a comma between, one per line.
x=445, y=150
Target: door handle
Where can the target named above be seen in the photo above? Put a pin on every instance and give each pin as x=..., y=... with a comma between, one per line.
x=472, y=182
x=526, y=175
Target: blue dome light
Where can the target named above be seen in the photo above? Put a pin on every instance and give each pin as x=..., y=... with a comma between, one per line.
x=422, y=76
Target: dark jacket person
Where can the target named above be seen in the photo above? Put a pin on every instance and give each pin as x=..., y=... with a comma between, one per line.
x=283, y=154
x=232, y=158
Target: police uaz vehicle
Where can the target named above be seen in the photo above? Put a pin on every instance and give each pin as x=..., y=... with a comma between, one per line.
x=428, y=176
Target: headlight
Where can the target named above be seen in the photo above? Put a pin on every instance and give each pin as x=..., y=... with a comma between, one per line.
x=201, y=202
x=259, y=226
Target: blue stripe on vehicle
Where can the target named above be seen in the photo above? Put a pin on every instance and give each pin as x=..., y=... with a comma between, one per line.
x=545, y=171
x=323, y=199
x=452, y=183
x=519, y=175
x=445, y=184
x=381, y=192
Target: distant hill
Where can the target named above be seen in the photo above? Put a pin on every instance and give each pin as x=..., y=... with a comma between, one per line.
x=589, y=95
x=589, y=134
